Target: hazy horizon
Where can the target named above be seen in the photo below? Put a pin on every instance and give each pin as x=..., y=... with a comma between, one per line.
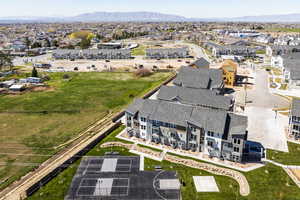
x=187, y=8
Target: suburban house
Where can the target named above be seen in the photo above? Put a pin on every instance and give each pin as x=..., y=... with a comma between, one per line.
x=229, y=69
x=166, y=53
x=92, y=54
x=196, y=97
x=201, y=78
x=217, y=133
x=200, y=63
x=294, y=119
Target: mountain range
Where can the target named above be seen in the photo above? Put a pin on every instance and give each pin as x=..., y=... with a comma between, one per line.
x=148, y=17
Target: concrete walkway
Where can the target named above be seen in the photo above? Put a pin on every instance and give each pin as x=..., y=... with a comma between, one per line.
x=199, y=156
x=238, y=176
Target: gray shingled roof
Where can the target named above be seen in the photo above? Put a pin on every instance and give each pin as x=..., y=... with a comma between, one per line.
x=211, y=120
x=295, y=110
x=171, y=113
x=135, y=106
x=201, y=78
x=201, y=62
x=238, y=123
x=196, y=97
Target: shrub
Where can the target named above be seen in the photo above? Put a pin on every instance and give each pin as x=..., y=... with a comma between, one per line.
x=142, y=73
x=66, y=76
x=34, y=73
x=46, y=78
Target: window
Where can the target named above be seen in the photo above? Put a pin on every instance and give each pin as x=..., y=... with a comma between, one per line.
x=193, y=137
x=193, y=129
x=128, y=118
x=236, y=141
x=143, y=127
x=143, y=119
x=236, y=149
x=211, y=134
x=210, y=143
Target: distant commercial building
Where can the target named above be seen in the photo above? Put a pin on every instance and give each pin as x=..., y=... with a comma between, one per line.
x=119, y=177
x=92, y=54
x=231, y=50
x=112, y=45
x=161, y=53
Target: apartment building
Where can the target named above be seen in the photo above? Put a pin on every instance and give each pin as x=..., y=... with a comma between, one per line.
x=294, y=119
x=217, y=133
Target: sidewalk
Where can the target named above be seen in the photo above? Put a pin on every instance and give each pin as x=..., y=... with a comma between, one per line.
x=194, y=155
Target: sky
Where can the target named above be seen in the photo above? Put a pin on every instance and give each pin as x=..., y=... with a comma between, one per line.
x=187, y=8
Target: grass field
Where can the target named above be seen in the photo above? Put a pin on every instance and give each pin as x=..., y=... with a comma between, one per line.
x=80, y=100
x=139, y=51
x=290, y=158
x=267, y=183
x=287, y=30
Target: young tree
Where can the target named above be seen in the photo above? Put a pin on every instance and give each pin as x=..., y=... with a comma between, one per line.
x=5, y=60
x=34, y=72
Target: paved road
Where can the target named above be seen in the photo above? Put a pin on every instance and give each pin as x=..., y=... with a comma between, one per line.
x=263, y=125
x=199, y=52
x=260, y=95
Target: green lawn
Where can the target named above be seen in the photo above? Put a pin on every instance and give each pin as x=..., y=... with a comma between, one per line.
x=81, y=100
x=151, y=148
x=139, y=51
x=267, y=183
x=288, y=30
x=261, y=52
x=290, y=158
x=283, y=86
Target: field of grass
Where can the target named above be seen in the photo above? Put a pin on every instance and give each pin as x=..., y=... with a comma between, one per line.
x=139, y=51
x=290, y=158
x=287, y=30
x=154, y=149
x=267, y=183
x=35, y=122
x=261, y=52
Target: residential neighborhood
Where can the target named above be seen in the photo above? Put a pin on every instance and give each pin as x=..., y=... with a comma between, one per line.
x=187, y=101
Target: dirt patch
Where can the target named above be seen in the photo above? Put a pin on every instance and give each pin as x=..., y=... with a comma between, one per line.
x=296, y=172
x=29, y=89
x=41, y=88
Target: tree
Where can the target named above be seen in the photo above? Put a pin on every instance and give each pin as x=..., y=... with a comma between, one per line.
x=34, y=73
x=48, y=43
x=36, y=45
x=5, y=60
x=85, y=43
x=27, y=42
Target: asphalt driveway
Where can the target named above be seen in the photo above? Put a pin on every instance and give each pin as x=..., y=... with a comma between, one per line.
x=263, y=124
